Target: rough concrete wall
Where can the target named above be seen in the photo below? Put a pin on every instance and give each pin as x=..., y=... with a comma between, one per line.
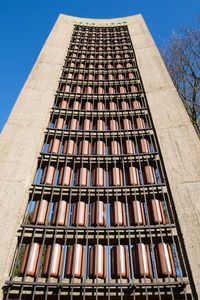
x=177, y=138
x=22, y=137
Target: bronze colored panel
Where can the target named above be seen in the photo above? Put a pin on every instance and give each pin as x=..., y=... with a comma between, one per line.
x=136, y=213
x=115, y=177
x=156, y=212
x=149, y=175
x=117, y=214
x=164, y=260
x=141, y=261
x=98, y=214
x=69, y=147
x=82, y=177
x=119, y=262
x=132, y=176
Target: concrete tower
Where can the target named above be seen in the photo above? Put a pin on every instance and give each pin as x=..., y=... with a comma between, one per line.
x=99, y=172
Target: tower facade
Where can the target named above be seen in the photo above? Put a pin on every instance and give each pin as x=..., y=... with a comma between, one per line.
x=100, y=172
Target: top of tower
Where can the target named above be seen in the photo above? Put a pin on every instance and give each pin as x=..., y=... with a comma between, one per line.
x=101, y=22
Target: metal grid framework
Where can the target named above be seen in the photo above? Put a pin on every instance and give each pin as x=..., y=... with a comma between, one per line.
x=99, y=221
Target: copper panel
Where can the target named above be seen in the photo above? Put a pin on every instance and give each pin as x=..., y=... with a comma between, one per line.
x=98, y=262
x=30, y=259
x=156, y=212
x=119, y=66
x=66, y=88
x=124, y=105
x=90, y=77
x=59, y=123
x=98, y=214
x=53, y=260
x=129, y=147
x=69, y=147
x=149, y=175
x=100, y=124
x=79, y=215
x=90, y=66
x=63, y=104
x=113, y=125
x=114, y=148
x=136, y=104
x=82, y=177
x=69, y=75
x=80, y=77
x=71, y=65
x=89, y=90
x=76, y=105
x=77, y=89
x=111, y=90
x=40, y=213
x=136, y=213
x=140, y=123
x=111, y=77
x=54, y=146
x=133, y=89
x=60, y=213
x=122, y=90
x=73, y=124
x=100, y=90
x=99, y=148
x=144, y=146
x=164, y=260
x=48, y=176
x=99, y=177
x=87, y=124
x=81, y=66
x=88, y=106
x=131, y=76
x=84, y=147
x=112, y=106
x=117, y=214
x=65, y=176
x=128, y=65
x=100, y=77
x=132, y=176
x=109, y=66
x=119, y=262
x=121, y=76
x=115, y=177
x=100, y=105
x=141, y=261
x=126, y=123
x=75, y=261
x=100, y=66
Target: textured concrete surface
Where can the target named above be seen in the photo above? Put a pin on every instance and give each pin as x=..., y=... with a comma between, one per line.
x=21, y=140
x=22, y=137
x=177, y=138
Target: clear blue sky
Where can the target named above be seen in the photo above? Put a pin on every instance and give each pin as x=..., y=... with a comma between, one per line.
x=25, y=25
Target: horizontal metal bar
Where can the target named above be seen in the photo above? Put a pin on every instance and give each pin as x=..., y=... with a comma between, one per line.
x=110, y=228
x=99, y=284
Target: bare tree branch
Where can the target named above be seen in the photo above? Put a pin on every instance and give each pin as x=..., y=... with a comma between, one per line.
x=181, y=54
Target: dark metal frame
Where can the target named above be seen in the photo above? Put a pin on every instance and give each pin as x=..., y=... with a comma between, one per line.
x=168, y=288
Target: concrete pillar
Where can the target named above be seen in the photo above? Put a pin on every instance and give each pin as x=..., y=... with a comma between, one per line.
x=22, y=138
x=179, y=143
